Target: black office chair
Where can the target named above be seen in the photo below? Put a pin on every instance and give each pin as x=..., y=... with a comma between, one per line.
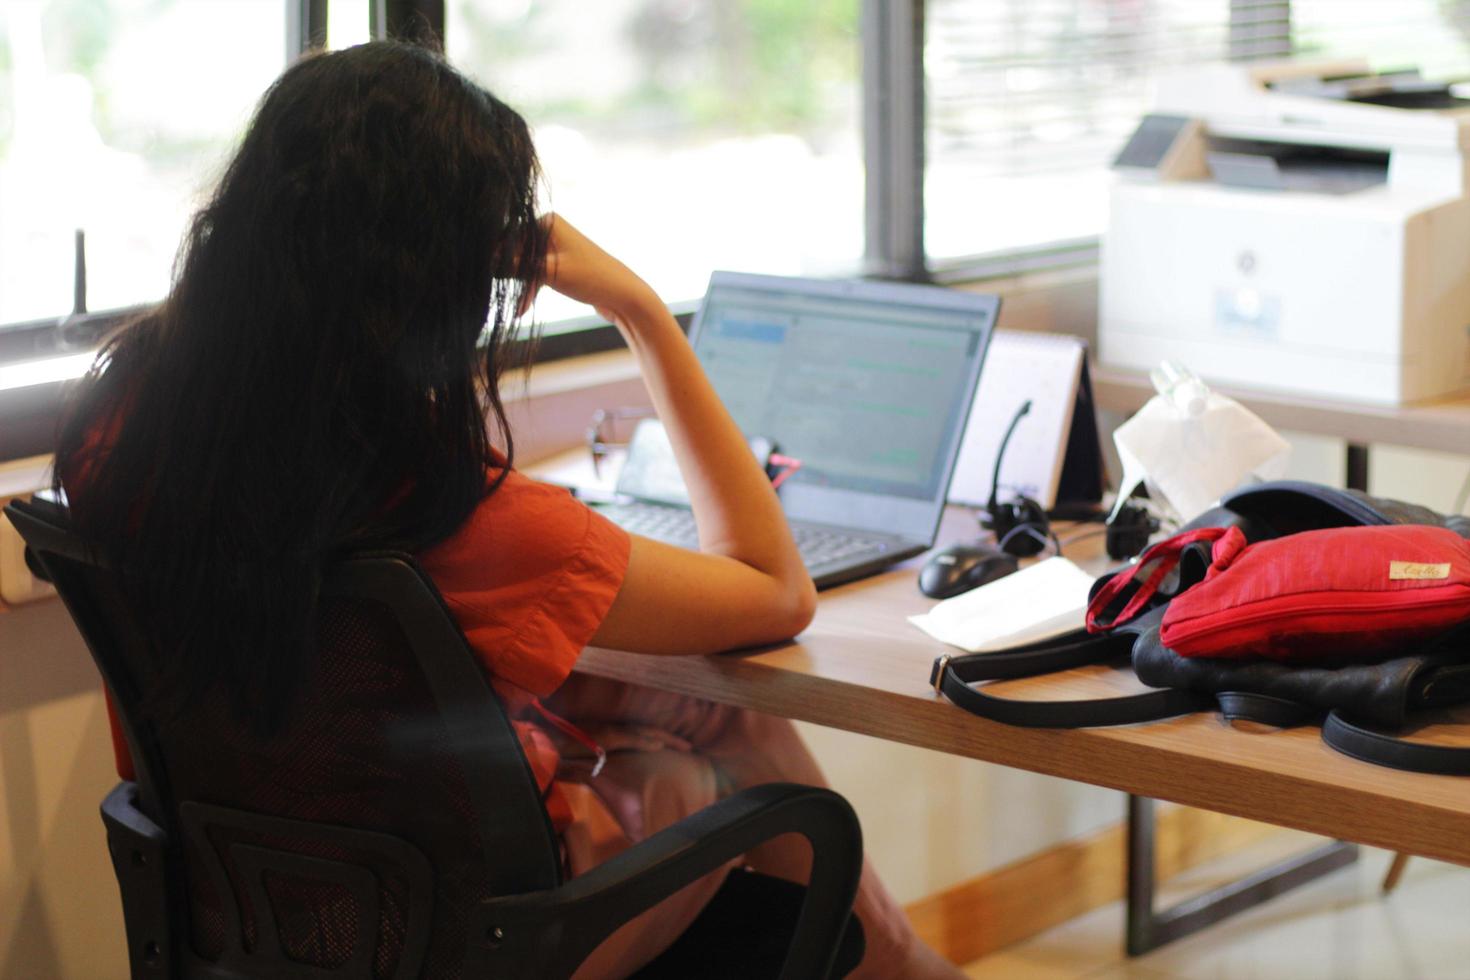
x=394, y=829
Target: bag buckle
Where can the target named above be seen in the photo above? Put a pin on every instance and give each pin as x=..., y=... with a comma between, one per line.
x=939, y=666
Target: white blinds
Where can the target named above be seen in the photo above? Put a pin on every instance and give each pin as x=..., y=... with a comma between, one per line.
x=1029, y=100
x=1020, y=87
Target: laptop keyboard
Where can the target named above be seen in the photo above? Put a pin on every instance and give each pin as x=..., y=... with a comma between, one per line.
x=675, y=525
x=671, y=525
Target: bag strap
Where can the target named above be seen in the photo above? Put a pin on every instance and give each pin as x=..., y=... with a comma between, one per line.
x=1154, y=564
x=1264, y=709
x=952, y=677
x=1396, y=753
x=1072, y=649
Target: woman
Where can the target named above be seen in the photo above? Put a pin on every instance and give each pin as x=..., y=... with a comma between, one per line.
x=313, y=384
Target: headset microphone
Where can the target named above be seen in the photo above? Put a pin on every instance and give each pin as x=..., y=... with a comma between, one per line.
x=1021, y=525
x=1000, y=454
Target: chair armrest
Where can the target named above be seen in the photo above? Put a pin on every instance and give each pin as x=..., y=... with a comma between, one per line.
x=548, y=933
x=138, y=847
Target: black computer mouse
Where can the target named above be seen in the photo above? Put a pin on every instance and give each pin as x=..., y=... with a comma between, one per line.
x=964, y=567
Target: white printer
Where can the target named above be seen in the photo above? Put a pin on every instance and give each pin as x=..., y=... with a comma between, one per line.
x=1302, y=227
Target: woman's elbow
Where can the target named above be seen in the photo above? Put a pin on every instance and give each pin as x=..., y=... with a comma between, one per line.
x=779, y=615
x=799, y=608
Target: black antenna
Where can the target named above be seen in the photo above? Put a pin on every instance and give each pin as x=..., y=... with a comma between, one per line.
x=1000, y=454
x=71, y=330
x=79, y=273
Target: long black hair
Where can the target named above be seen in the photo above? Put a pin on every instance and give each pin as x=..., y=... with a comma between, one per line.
x=317, y=379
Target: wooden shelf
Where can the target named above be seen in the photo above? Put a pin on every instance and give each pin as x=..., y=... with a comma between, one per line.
x=1442, y=424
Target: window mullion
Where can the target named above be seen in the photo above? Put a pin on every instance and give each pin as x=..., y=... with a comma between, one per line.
x=893, y=138
x=306, y=27
x=418, y=20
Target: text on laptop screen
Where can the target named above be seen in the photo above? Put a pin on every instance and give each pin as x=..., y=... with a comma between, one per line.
x=862, y=392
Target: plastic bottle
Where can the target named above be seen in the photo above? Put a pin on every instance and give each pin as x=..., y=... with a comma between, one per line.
x=1179, y=386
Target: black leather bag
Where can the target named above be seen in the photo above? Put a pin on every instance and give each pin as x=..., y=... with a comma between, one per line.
x=1359, y=705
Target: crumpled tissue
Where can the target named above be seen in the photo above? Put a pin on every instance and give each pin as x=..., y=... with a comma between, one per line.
x=1191, y=459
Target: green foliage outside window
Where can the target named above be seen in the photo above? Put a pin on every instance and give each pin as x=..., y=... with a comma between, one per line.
x=732, y=65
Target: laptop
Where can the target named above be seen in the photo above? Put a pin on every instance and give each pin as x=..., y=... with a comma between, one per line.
x=867, y=384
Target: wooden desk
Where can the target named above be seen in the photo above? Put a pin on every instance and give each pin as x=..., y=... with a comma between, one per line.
x=862, y=668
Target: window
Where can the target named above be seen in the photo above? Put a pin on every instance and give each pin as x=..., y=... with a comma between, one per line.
x=1029, y=100
x=685, y=135
x=1430, y=34
x=115, y=115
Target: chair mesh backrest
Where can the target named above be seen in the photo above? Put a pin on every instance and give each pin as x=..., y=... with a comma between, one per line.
x=366, y=748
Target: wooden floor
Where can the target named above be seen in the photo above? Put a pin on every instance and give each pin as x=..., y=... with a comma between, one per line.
x=1339, y=928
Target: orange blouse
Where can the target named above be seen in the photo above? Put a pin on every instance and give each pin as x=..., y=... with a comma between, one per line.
x=529, y=578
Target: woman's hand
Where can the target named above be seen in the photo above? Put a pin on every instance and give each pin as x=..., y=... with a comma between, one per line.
x=579, y=269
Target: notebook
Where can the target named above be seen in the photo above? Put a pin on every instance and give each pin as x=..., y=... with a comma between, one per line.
x=868, y=384
x=1055, y=455
x=1040, y=602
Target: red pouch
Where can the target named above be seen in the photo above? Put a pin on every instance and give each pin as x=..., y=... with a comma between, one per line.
x=1321, y=597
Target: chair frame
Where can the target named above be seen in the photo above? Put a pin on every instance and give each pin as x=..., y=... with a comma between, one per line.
x=537, y=926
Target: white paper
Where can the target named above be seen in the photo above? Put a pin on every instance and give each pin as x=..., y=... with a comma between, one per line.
x=1193, y=462
x=1038, y=602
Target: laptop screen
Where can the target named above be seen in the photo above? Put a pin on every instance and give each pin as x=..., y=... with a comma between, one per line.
x=868, y=384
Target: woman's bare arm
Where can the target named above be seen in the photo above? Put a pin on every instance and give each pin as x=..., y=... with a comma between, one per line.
x=746, y=584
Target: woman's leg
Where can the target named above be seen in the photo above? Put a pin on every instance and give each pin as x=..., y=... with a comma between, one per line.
x=654, y=788
x=744, y=748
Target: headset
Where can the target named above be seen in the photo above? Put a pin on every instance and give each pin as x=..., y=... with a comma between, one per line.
x=1021, y=526
x=1129, y=528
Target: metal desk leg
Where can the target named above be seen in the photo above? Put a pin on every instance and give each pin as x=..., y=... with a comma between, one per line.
x=1149, y=929
x=1357, y=466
